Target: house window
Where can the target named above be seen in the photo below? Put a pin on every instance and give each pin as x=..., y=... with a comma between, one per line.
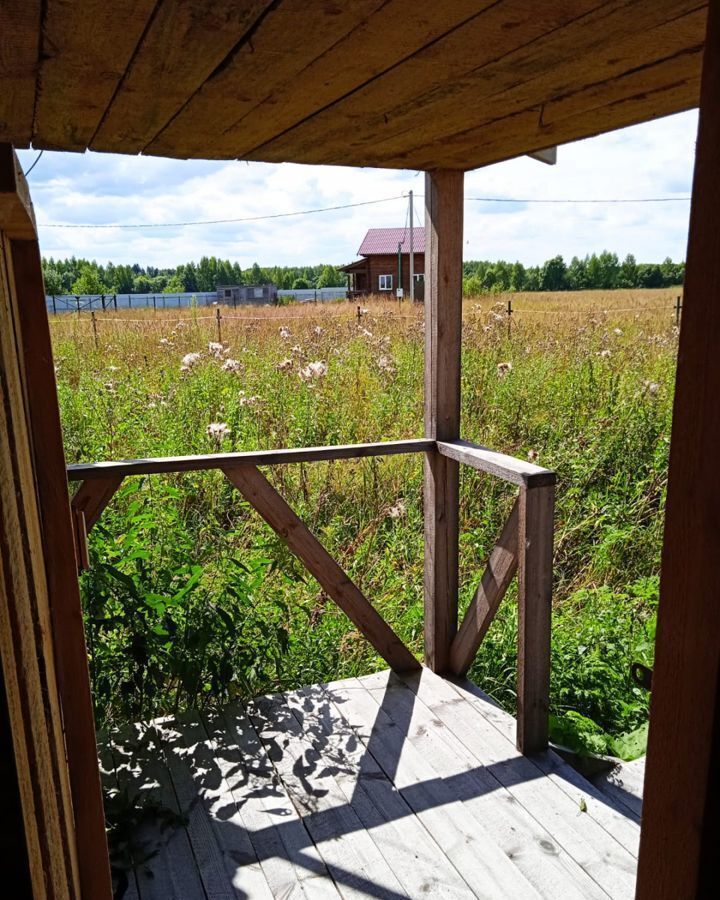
x=228, y=293
x=385, y=282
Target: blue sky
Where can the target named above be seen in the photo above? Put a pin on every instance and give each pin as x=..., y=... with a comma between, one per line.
x=650, y=160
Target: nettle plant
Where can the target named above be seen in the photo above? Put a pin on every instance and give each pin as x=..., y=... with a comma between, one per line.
x=171, y=620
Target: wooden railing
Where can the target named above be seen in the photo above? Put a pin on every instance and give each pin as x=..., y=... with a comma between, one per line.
x=524, y=547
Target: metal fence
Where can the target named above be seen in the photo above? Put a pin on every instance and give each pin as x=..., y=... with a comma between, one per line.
x=57, y=303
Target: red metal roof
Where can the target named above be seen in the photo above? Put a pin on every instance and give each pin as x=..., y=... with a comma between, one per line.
x=386, y=240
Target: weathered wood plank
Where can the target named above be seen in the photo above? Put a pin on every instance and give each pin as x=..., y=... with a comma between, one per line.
x=443, y=326
x=681, y=805
x=602, y=857
x=17, y=217
x=623, y=784
x=509, y=468
x=381, y=808
x=278, y=834
x=535, y=576
x=618, y=821
x=26, y=649
x=500, y=571
x=549, y=869
x=352, y=857
x=165, y=864
x=545, y=53
x=390, y=734
x=228, y=866
x=83, y=59
x=123, y=468
x=183, y=45
x=384, y=39
x=93, y=495
x=19, y=59
x=68, y=632
x=290, y=37
x=258, y=491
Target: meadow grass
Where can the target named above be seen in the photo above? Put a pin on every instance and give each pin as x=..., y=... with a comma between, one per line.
x=191, y=599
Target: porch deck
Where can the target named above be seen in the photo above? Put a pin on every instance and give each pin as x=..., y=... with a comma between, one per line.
x=381, y=786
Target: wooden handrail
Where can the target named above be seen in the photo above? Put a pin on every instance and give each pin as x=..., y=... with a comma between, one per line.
x=509, y=468
x=164, y=464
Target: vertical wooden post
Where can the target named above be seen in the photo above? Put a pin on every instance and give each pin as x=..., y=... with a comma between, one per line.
x=681, y=806
x=535, y=569
x=443, y=325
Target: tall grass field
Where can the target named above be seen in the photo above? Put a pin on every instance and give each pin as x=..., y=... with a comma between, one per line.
x=191, y=600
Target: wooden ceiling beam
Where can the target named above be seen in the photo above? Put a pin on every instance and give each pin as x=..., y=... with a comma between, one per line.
x=291, y=36
x=587, y=50
x=19, y=40
x=86, y=48
x=189, y=40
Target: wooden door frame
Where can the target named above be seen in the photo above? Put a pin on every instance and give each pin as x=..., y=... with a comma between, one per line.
x=56, y=752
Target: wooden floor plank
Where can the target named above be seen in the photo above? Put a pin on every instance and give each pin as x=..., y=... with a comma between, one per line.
x=384, y=786
x=408, y=847
x=622, y=824
x=228, y=864
x=111, y=787
x=352, y=857
x=277, y=832
x=532, y=848
x=171, y=873
x=608, y=863
x=623, y=784
x=467, y=842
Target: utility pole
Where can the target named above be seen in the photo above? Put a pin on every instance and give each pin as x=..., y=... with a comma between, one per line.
x=412, y=254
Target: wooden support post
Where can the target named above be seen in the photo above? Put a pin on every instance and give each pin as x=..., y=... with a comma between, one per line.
x=443, y=325
x=535, y=571
x=258, y=491
x=681, y=806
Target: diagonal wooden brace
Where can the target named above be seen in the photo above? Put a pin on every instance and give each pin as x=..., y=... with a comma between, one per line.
x=93, y=496
x=261, y=495
x=496, y=578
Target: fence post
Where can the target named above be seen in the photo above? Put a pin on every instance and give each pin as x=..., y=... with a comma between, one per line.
x=77, y=300
x=154, y=302
x=509, y=312
x=129, y=301
x=359, y=314
x=219, y=327
x=678, y=308
x=115, y=301
x=95, y=331
x=54, y=307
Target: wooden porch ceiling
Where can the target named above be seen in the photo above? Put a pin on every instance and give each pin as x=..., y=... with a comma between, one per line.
x=397, y=83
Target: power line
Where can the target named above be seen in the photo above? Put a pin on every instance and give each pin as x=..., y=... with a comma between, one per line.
x=301, y=212
x=36, y=161
x=579, y=200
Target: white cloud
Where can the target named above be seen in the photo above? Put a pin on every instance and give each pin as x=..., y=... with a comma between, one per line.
x=654, y=159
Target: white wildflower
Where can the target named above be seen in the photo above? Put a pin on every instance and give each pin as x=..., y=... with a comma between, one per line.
x=617, y=330
x=298, y=350
x=216, y=349
x=366, y=333
x=533, y=456
x=189, y=360
x=284, y=365
x=605, y=354
x=112, y=368
x=364, y=310
x=652, y=387
x=164, y=342
x=231, y=365
x=398, y=510
x=313, y=370
x=284, y=332
x=386, y=364
x=318, y=330
x=216, y=431
x=253, y=400
x=504, y=369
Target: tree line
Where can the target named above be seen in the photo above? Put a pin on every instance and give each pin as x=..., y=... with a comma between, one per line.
x=594, y=271
x=84, y=276
x=602, y=271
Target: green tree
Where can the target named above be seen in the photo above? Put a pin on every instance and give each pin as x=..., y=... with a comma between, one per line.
x=89, y=281
x=553, y=273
